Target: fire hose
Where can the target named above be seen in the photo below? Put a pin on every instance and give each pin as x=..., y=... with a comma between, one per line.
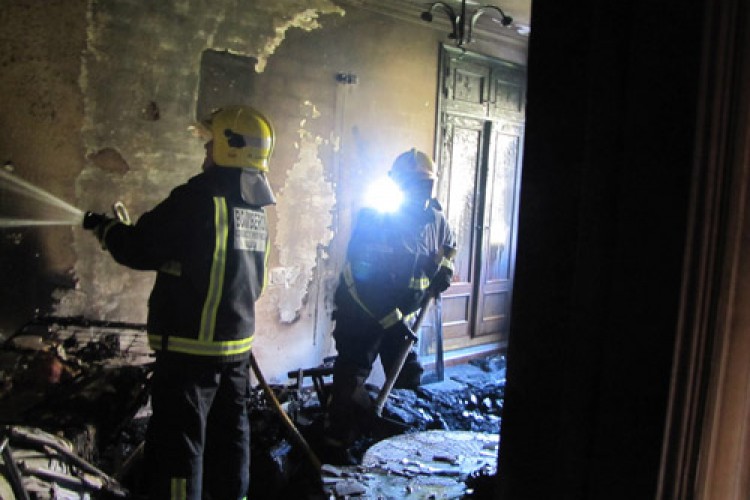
x=314, y=461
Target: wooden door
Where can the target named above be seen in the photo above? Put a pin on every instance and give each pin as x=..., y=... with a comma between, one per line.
x=461, y=160
x=480, y=144
x=496, y=230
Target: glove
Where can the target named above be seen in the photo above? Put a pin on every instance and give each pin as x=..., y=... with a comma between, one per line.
x=91, y=220
x=441, y=281
x=402, y=330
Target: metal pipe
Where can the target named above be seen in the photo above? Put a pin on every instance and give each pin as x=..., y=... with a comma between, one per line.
x=111, y=484
x=13, y=474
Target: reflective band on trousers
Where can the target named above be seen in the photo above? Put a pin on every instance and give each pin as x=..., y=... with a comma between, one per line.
x=178, y=488
x=200, y=347
x=216, y=280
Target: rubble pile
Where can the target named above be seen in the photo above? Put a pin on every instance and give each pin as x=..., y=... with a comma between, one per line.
x=74, y=410
x=428, y=464
x=468, y=405
x=465, y=408
x=71, y=391
x=469, y=401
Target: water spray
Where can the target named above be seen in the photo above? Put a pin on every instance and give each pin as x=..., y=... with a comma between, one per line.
x=40, y=207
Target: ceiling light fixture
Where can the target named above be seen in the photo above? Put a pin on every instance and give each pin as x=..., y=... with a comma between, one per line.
x=458, y=21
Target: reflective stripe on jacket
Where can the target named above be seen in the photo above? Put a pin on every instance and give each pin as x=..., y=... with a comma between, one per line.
x=390, y=261
x=209, y=249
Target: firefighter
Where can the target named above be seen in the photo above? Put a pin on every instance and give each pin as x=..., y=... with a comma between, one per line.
x=393, y=260
x=208, y=243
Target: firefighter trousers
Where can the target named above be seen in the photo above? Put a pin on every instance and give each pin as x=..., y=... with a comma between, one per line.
x=359, y=341
x=198, y=438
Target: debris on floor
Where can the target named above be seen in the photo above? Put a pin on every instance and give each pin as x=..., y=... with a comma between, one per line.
x=463, y=410
x=43, y=465
x=423, y=465
x=82, y=387
x=71, y=393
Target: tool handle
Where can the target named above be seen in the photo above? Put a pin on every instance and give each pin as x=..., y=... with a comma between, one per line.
x=385, y=391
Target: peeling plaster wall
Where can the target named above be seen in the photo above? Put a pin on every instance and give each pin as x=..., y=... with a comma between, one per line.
x=305, y=207
x=333, y=139
x=138, y=83
x=140, y=79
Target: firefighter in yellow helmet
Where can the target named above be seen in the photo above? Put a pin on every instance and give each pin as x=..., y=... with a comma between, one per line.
x=393, y=260
x=208, y=243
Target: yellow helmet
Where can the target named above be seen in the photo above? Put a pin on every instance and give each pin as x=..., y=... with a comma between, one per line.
x=413, y=165
x=242, y=137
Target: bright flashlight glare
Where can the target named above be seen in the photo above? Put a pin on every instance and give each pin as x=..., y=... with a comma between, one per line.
x=383, y=195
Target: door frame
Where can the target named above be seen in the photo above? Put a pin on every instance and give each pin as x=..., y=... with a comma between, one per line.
x=706, y=447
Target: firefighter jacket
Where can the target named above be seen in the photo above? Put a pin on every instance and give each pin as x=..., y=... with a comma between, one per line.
x=390, y=261
x=209, y=249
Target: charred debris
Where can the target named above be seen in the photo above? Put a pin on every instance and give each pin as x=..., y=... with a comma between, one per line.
x=74, y=405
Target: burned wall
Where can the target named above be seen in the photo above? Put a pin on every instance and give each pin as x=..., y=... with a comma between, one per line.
x=347, y=114
x=141, y=79
x=346, y=88
x=40, y=117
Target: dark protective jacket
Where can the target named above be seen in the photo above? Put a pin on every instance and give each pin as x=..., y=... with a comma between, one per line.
x=390, y=261
x=209, y=249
